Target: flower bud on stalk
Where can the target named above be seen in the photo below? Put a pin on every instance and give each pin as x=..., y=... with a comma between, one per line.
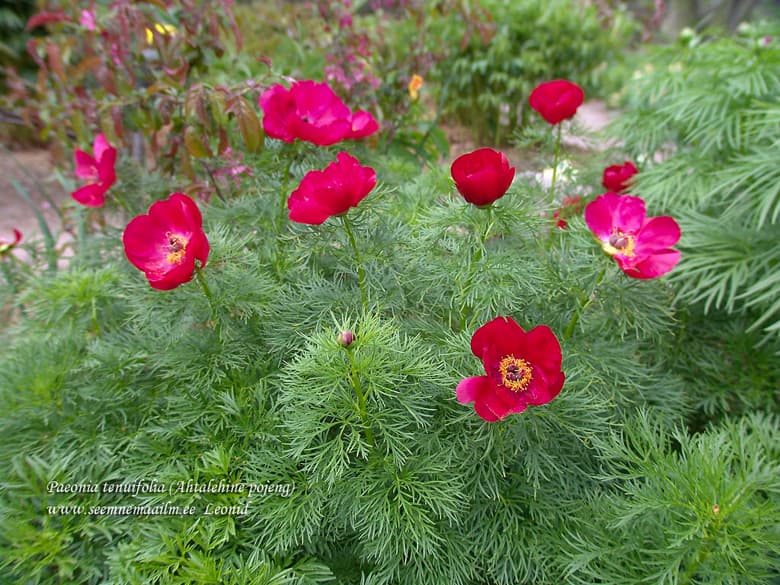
x=346, y=338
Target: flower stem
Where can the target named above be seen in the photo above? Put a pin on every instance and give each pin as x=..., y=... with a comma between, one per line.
x=214, y=182
x=361, y=396
x=210, y=297
x=584, y=305
x=360, y=272
x=479, y=253
x=283, y=191
x=555, y=164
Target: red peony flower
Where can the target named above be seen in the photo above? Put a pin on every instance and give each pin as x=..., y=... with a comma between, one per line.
x=312, y=112
x=569, y=207
x=6, y=247
x=332, y=191
x=98, y=170
x=522, y=368
x=556, y=100
x=617, y=177
x=482, y=176
x=166, y=243
x=640, y=245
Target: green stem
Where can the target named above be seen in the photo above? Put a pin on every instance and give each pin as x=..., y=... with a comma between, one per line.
x=361, y=397
x=555, y=164
x=360, y=272
x=439, y=111
x=687, y=577
x=210, y=297
x=9, y=277
x=283, y=192
x=214, y=182
x=95, y=323
x=584, y=305
x=479, y=253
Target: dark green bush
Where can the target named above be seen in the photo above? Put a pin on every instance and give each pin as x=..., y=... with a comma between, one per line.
x=704, y=117
x=488, y=83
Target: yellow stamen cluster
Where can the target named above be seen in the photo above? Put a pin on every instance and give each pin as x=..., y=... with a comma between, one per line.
x=178, y=248
x=620, y=243
x=516, y=373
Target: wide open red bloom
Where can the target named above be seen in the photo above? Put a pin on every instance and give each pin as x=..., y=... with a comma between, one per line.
x=522, y=368
x=482, y=176
x=617, y=178
x=166, y=243
x=640, y=245
x=332, y=191
x=98, y=170
x=312, y=112
x=556, y=100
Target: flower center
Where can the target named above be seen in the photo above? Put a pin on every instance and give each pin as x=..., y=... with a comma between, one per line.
x=620, y=243
x=177, y=248
x=516, y=373
x=93, y=175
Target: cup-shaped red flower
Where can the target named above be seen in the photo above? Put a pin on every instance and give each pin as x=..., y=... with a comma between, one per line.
x=482, y=176
x=523, y=368
x=166, y=242
x=332, y=191
x=312, y=112
x=617, y=178
x=640, y=245
x=98, y=170
x=557, y=100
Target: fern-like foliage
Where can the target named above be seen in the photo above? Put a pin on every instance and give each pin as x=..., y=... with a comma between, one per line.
x=705, y=118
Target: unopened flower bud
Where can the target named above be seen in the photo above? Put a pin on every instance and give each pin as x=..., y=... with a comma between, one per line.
x=687, y=35
x=346, y=338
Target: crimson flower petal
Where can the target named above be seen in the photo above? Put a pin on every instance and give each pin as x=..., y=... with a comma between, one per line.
x=599, y=215
x=362, y=124
x=630, y=214
x=92, y=195
x=279, y=109
x=500, y=404
x=86, y=166
x=655, y=265
x=469, y=389
x=543, y=350
x=658, y=233
x=481, y=408
x=101, y=146
x=500, y=334
x=6, y=247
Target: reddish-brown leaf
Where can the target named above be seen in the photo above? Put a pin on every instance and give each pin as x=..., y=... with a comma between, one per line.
x=42, y=18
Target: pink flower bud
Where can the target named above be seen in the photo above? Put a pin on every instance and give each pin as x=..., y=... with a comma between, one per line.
x=346, y=338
